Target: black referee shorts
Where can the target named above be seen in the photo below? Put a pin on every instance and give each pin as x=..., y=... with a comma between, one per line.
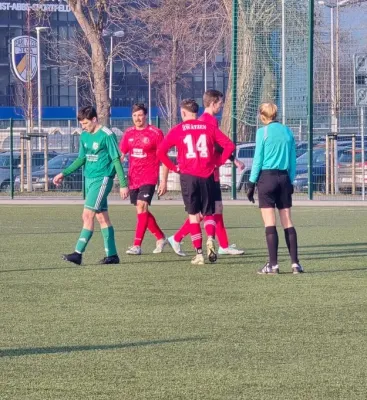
x=197, y=194
x=274, y=189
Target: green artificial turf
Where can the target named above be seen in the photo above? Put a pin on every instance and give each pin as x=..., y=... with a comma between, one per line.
x=156, y=327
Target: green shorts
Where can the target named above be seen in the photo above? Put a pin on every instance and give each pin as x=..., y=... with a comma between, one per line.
x=96, y=192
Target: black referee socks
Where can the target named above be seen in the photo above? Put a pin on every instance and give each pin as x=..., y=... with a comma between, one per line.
x=272, y=241
x=290, y=235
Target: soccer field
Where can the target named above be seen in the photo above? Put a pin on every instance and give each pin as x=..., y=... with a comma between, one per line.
x=156, y=327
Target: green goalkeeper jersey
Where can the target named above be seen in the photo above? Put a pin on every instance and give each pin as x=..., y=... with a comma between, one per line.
x=99, y=150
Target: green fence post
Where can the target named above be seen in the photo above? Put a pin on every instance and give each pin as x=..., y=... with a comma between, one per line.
x=234, y=88
x=11, y=160
x=310, y=98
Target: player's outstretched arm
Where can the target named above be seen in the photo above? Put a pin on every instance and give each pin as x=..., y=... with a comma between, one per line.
x=162, y=153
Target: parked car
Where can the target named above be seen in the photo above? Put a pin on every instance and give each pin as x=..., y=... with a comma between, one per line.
x=244, y=153
x=38, y=159
x=345, y=170
x=318, y=168
x=56, y=165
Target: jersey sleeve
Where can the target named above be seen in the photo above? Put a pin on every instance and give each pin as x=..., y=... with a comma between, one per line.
x=81, y=148
x=112, y=147
x=292, y=164
x=258, y=156
x=159, y=138
x=124, y=148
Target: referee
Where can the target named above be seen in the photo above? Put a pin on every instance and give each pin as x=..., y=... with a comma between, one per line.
x=273, y=170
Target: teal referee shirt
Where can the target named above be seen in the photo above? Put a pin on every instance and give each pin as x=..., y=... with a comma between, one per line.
x=275, y=149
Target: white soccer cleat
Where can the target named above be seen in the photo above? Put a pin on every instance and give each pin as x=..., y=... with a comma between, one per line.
x=210, y=250
x=160, y=245
x=176, y=246
x=134, y=250
x=198, y=260
x=231, y=251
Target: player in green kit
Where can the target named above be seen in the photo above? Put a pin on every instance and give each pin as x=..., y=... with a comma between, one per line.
x=100, y=155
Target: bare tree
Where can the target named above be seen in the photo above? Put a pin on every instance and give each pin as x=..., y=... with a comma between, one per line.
x=178, y=32
x=84, y=51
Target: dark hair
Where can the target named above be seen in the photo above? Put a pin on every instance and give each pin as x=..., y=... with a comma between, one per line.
x=139, y=106
x=87, y=112
x=211, y=96
x=190, y=105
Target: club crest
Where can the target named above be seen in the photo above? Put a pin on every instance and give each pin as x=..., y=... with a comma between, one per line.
x=24, y=57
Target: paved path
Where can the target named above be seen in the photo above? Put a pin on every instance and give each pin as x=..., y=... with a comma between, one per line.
x=58, y=201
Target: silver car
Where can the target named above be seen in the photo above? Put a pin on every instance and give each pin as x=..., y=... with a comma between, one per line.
x=38, y=159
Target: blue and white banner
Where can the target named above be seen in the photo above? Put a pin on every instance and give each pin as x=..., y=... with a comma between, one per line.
x=24, y=57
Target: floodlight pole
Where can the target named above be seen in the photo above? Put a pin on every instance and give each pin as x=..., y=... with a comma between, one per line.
x=310, y=96
x=362, y=158
x=205, y=72
x=39, y=82
x=234, y=88
x=283, y=63
x=149, y=95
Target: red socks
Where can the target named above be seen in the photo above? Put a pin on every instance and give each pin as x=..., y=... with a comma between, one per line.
x=196, y=236
x=154, y=228
x=209, y=225
x=221, y=231
x=183, y=231
x=141, y=227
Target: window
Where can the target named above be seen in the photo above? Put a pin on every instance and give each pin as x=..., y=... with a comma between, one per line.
x=246, y=152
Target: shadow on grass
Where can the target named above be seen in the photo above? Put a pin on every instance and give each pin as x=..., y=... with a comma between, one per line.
x=30, y=351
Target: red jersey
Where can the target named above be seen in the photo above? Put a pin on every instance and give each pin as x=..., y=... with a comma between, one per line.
x=142, y=148
x=195, y=141
x=210, y=119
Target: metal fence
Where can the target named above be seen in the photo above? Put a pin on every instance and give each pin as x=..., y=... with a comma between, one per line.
x=310, y=58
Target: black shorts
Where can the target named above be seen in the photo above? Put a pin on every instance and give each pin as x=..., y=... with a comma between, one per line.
x=197, y=194
x=217, y=193
x=143, y=193
x=274, y=189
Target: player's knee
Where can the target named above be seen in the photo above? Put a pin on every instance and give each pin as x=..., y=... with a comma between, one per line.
x=141, y=206
x=103, y=218
x=218, y=207
x=285, y=218
x=88, y=216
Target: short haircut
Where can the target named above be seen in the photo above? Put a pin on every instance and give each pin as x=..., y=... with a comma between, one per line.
x=190, y=105
x=211, y=96
x=139, y=107
x=87, y=112
x=268, y=112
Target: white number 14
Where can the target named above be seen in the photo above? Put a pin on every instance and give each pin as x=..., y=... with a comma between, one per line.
x=200, y=146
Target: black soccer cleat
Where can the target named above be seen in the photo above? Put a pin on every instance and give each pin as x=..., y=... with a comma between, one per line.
x=75, y=258
x=110, y=260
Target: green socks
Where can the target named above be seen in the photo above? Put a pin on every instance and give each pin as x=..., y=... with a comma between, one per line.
x=109, y=241
x=83, y=240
